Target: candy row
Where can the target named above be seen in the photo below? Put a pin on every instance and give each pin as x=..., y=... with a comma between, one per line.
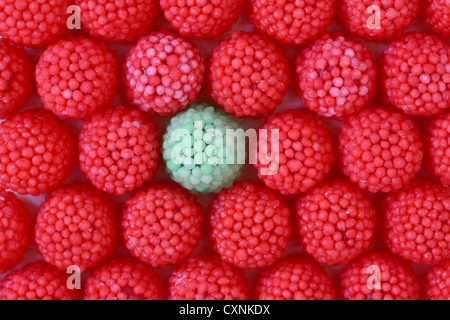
x=119, y=150
x=289, y=22
x=247, y=75
x=249, y=226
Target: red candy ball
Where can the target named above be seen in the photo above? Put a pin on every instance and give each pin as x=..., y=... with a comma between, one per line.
x=335, y=76
x=335, y=222
x=305, y=152
x=295, y=278
x=415, y=74
x=291, y=22
x=379, y=276
x=248, y=75
x=163, y=73
x=118, y=20
x=249, y=225
x=119, y=149
x=416, y=222
x=33, y=23
x=201, y=19
x=377, y=20
x=380, y=149
x=162, y=224
x=437, y=147
x=16, y=231
x=123, y=279
x=37, y=152
x=37, y=281
x=76, y=225
x=76, y=77
x=206, y=277
x=16, y=78
x=436, y=282
x=436, y=13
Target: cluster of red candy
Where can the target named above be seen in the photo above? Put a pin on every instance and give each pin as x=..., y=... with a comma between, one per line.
x=379, y=150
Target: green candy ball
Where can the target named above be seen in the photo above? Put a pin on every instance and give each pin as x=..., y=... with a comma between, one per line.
x=197, y=152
